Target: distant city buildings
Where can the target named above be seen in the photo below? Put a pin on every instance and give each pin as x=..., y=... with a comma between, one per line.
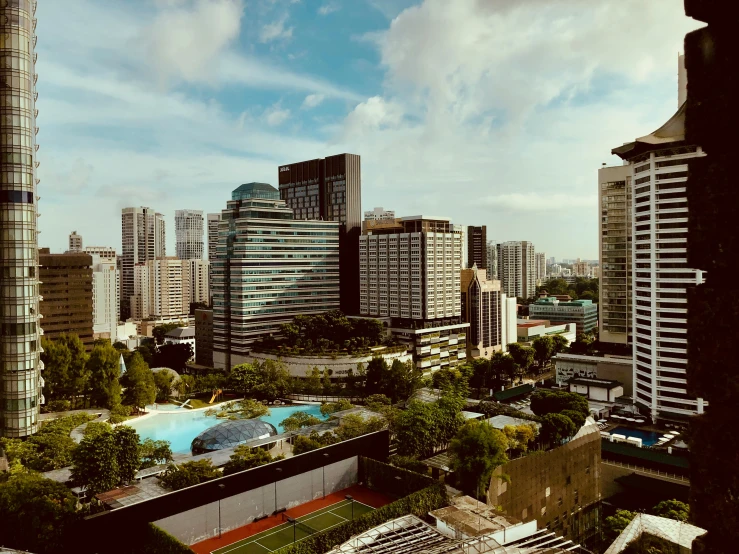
x=581, y=268
x=492, y=256
x=487, y=310
x=541, y=267
x=517, y=268
x=583, y=313
x=269, y=268
x=188, y=226
x=159, y=290
x=477, y=253
x=330, y=189
x=379, y=214
x=195, y=281
x=106, y=253
x=66, y=290
x=75, y=242
x=143, y=239
x=410, y=273
x=213, y=221
x=658, y=165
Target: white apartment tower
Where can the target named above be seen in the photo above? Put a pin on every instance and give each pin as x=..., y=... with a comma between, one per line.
x=75, y=242
x=159, y=289
x=213, y=220
x=143, y=239
x=105, y=297
x=517, y=268
x=188, y=225
x=658, y=166
x=541, y=267
x=492, y=268
x=196, y=285
x=411, y=269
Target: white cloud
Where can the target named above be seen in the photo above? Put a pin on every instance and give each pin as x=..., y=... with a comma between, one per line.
x=275, y=115
x=185, y=39
x=328, y=8
x=313, y=100
x=276, y=30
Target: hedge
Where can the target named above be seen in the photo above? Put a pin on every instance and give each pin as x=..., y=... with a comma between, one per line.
x=148, y=539
x=419, y=504
x=391, y=480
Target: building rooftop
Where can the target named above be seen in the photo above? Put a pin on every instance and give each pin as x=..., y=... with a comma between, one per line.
x=472, y=517
x=671, y=132
x=593, y=382
x=255, y=190
x=500, y=421
x=676, y=532
x=181, y=333
x=592, y=359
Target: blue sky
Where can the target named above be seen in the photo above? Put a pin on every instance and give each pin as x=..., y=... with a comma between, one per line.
x=494, y=112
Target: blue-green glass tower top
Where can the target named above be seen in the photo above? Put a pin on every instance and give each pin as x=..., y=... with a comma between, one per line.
x=255, y=190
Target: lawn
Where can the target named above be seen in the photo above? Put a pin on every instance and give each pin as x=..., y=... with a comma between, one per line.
x=287, y=533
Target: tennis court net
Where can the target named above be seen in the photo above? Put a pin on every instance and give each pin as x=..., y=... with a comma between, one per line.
x=299, y=524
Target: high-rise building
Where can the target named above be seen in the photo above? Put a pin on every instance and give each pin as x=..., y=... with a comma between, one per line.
x=330, y=189
x=270, y=267
x=614, y=240
x=160, y=290
x=143, y=239
x=485, y=307
x=204, y=337
x=541, y=267
x=517, y=268
x=20, y=364
x=213, y=221
x=379, y=214
x=581, y=268
x=410, y=273
x=188, y=226
x=106, y=253
x=75, y=242
x=659, y=164
x=492, y=255
x=477, y=252
x=195, y=281
x=66, y=290
x=105, y=298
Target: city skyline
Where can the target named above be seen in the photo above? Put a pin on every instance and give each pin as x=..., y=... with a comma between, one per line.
x=247, y=104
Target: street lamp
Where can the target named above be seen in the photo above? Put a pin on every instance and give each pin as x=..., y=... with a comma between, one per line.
x=350, y=497
x=220, y=486
x=323, y=470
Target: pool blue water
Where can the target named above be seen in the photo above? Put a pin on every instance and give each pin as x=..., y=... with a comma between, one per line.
x=648, y=438
x=180, y=428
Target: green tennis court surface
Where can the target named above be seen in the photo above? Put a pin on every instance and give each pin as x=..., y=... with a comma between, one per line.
x=286, y=533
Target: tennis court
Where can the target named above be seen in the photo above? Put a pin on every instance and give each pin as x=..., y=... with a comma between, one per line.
x=299, y=528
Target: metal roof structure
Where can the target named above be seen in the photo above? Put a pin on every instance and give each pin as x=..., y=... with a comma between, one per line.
x=676, y=532
x=231, y=433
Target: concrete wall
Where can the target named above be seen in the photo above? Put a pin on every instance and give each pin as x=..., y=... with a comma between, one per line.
x=298, y=366
x=618, y=372
x=201, y=523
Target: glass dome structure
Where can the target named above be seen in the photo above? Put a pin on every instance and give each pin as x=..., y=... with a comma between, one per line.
x=231, y=433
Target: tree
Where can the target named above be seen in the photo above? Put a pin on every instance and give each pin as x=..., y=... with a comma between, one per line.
x=95, y=463
x=139, y=383
x=153, y=453
x=583, y=344
x=520, y=436
x=245, y=457
x=268, y=379
x=298, y=420
x=103, y=368
x=328, y=408
x=36, y=514
x=545, y=402
x=354, y=425
x=161, y=330
x=120, y=346
x=474, y=453
x=375, y=402
x=401, y=380
x=616, y=523
x=56, y=357
x=375, y=376
x=303, y=444
x=560, y=344
x=173, y=356
x=576, y=417
x=523, y=356
x=451, y=380
x=672, y=509
x=163, y=380
x=543, y=350
x=422, y=428
x=326, y=384
x=177, y=477
x=313, y=383
x=244, y=378
x=502, y=367
x=555, y=428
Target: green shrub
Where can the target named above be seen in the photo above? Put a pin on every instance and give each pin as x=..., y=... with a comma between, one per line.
x=419, y=503
x=390, y=480
x=548, y=402
x=59, y=406
x=146, y=539
x=492, y=409
x=177, y=477
x=409, y=463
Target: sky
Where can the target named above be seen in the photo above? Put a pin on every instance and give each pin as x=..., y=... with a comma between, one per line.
x=490, y=112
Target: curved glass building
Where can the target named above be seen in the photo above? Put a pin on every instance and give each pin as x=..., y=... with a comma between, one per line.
x=20, y=365
x=231, y=433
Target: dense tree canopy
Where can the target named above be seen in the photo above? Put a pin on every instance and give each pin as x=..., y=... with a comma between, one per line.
x=547, y=402
x=139, y=383
x=583, y=288
x=555, y=428
x=523, y=356
x=474, y=453
x=268, y=380
x=177, y=477
x=161, y=330
x=397, y=381
x=544, y=349
x=66, y=374
x=330, y=331
x=298, y=420
x=245, y=457
x=672, y=509
x=103, y=366
x=173, y=356
x=424, y=427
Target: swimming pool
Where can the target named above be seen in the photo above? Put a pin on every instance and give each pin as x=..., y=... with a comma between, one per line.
x=180, y=428
x=648, y=438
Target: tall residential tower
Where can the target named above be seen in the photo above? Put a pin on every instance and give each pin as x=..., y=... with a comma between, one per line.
x=188, y=226
x=517, y=268
x=143, y=239
x=477, y=252
x=20, y=363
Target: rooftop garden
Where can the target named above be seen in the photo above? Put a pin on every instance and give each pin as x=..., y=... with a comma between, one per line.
x=327, y=333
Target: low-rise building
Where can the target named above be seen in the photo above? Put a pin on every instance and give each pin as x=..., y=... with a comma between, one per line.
x=567, y=366
x=596, y=389
x=181, y=335
x=583, y=313
x=435, y=348
x=529, y=329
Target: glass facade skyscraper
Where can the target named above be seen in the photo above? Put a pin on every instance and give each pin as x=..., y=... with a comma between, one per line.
x=268, y=268
x=20, y=363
